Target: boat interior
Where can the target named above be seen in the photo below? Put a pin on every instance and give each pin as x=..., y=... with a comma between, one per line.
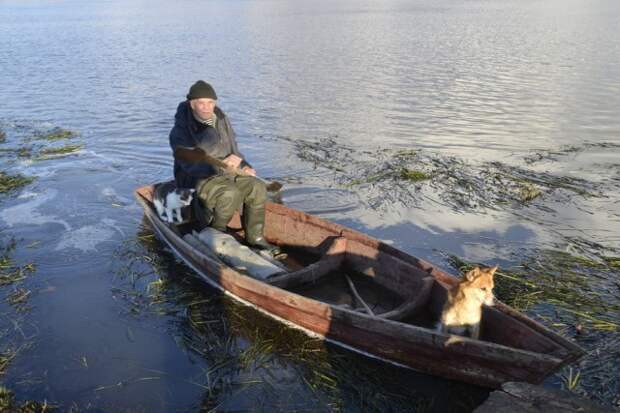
x=323, y=270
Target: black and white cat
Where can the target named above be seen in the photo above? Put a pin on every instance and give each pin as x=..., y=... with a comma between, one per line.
x=168, y=200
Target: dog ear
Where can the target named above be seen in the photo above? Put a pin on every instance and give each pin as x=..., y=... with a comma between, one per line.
x=492, y=270
x=472, y=274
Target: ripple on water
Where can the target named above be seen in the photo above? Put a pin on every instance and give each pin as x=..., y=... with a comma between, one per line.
x=315, y=200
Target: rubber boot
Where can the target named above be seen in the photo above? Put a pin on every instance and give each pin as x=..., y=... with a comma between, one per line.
x=202, y=215
x=254, y=225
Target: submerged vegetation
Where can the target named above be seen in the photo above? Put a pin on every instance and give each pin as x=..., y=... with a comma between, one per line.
x=33, y=143
x=578, y=297
x=13, y=340
x=554, y=154
x=63, y=150
x=561, y=279
x=413, y=175
x=9, y=404
x=55, y=134
x=243, y=351
x=10, y=182
x=12, y=274
x=450, y=181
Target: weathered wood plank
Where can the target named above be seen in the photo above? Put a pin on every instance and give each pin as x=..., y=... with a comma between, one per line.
x=331, y=261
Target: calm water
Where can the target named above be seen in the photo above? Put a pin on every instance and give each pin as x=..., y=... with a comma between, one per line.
x=319, y=94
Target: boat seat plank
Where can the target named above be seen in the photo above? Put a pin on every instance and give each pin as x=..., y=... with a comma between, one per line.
x=330, y=261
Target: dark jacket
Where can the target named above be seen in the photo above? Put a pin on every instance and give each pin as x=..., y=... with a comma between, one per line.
x=218, y=141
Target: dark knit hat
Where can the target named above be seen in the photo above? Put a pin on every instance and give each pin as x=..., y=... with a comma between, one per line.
x=201, y=89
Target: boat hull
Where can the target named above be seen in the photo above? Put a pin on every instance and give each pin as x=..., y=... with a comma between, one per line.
x=537, y=352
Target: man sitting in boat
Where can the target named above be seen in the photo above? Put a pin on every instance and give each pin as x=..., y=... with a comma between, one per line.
x=200, y=124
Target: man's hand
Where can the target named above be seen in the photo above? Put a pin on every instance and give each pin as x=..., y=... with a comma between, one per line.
x=232, y=161
x=249, y=171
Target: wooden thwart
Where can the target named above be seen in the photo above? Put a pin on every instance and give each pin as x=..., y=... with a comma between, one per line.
x=331, y=261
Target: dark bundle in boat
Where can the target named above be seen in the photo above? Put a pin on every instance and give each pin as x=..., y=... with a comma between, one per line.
x=358, y=292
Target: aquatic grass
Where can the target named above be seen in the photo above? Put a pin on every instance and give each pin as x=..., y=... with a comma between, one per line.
x=21, y=152
x=327, y=372
x=511, y=175
x=6, y=357
x=24, y=152
x=318, y=153
x=11, y=274
x=571, y=380
x=392, y=173
x=245, y=351
x=447, y=180
x=552, y=154
x=406, y=154
x=9, y=404
x=18, y=297
x=56, y=134
x=560, y=279
x=263, y=347
x=63, y=150
x=529, y=192
x=36, y=145
x=257, y=353
x=413, y=175
x=125, y=383
x=612, y=262
x=9, y=183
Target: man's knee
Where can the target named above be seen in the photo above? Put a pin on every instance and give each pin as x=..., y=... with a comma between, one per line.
x=227, y=198
x=258, y=191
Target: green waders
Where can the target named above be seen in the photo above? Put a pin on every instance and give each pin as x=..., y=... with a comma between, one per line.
x=225, y=194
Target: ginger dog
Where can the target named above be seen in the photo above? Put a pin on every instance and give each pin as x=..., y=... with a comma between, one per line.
x=462, y=311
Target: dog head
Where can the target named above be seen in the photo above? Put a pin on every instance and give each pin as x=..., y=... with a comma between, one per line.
x=478, y=283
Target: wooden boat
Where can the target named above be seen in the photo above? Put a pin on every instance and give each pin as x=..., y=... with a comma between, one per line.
x=336, y=269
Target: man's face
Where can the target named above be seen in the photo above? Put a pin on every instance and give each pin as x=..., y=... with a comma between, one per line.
x=203, y=107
